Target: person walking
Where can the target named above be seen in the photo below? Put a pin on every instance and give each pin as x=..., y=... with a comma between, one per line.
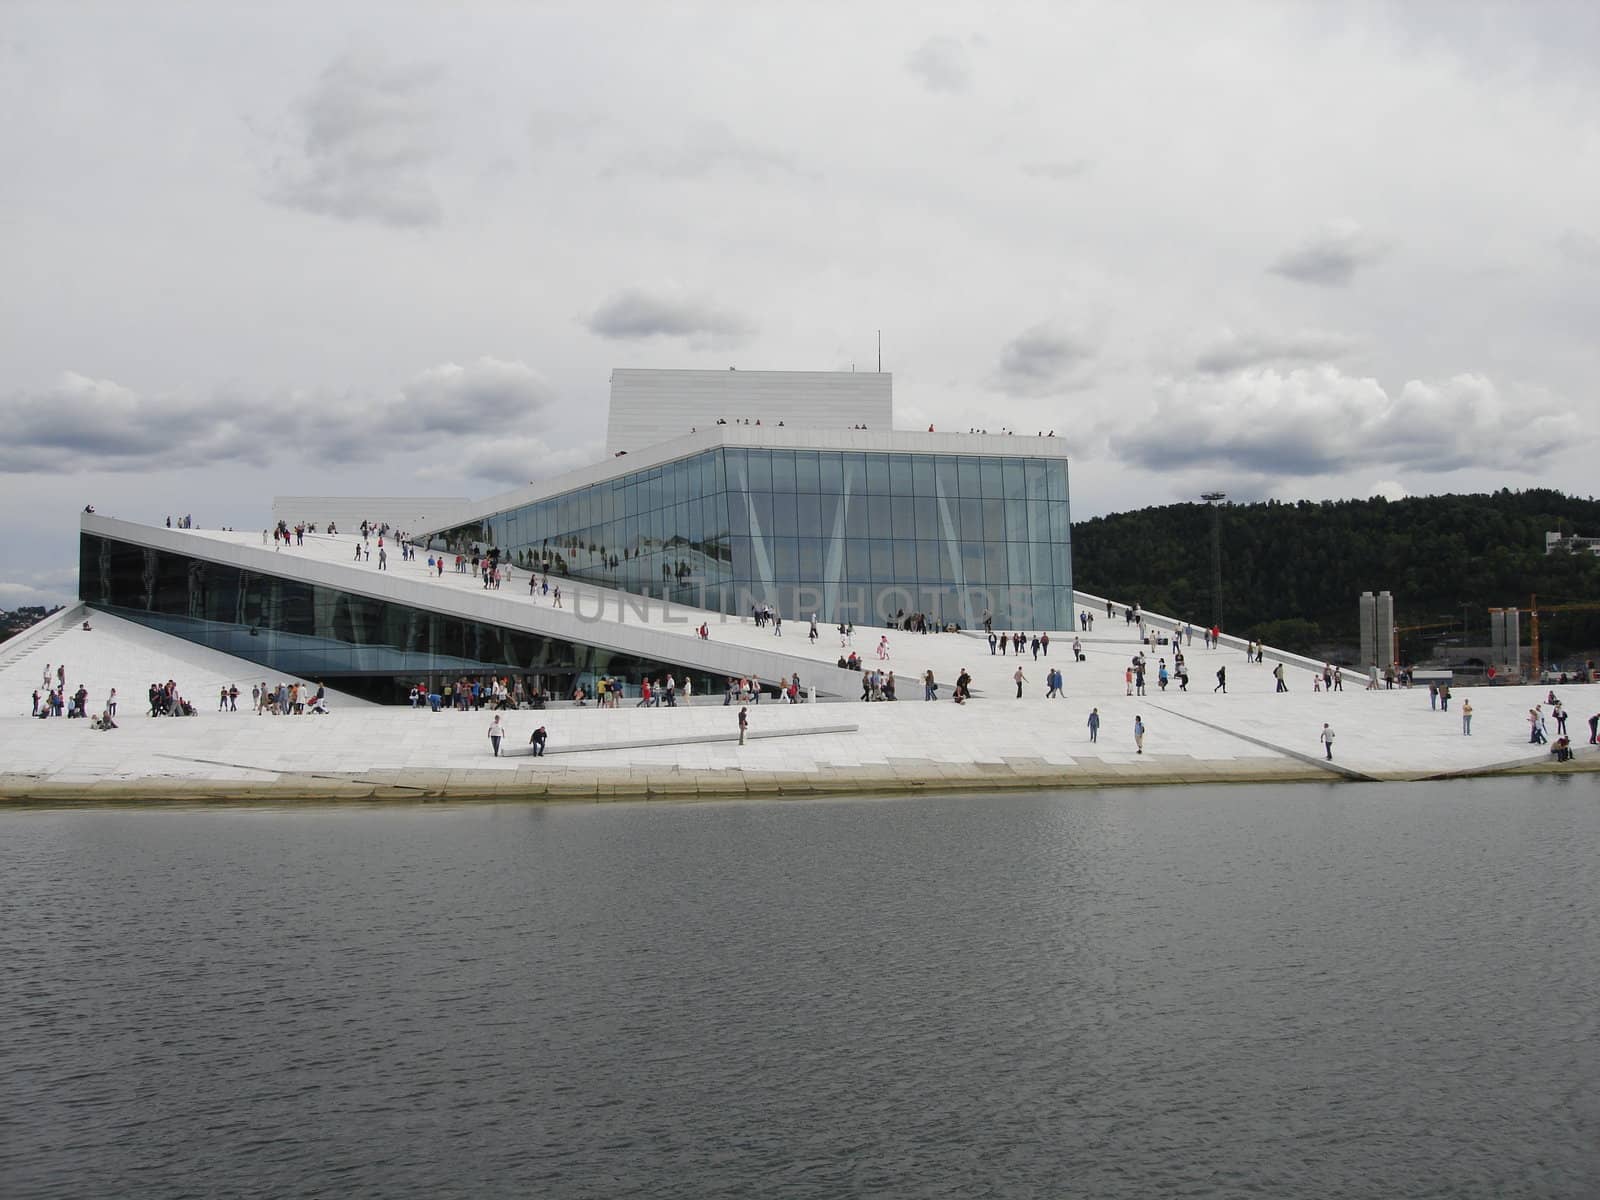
x=1327, y=740
x=1277, y=673
x=744, y=723
x=1094, y=725
x=1020, y=679
x=1222, y=681
x=496, y=732
x=537, y=741
x=1466, y=718
x=1138, y=733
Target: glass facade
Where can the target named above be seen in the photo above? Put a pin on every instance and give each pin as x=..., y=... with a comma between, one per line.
x=851, y=536
x=371, y=648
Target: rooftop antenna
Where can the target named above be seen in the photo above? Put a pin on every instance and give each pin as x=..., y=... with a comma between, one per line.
x=880, y=352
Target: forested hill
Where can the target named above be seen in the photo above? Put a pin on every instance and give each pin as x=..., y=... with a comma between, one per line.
x=1293, y=573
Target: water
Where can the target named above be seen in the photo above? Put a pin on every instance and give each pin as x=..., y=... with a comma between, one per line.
x=1273, y=991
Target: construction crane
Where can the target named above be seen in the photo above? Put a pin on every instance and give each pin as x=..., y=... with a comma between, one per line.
x=1533, y=623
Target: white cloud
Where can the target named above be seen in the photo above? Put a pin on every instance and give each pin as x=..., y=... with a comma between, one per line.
x=1319, y=421
x=1389, y=489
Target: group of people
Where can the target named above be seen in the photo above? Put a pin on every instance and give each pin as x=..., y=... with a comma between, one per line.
x=285, y=700
x=1019, y=642
x=462, y=694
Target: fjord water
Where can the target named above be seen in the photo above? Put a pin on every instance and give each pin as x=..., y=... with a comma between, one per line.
x=1204, y=991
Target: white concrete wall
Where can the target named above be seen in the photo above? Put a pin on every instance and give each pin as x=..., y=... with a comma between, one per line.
x=649, y=406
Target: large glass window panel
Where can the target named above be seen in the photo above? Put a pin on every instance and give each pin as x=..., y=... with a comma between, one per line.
x=857, y=560
x=1038, y=521
x=900, y=474
x=929, y=524
x=830, y=467
x=855, y=472
x=808, y=516
x=994, y=564
x=878, y=524
x=930, y=567
x=905, y=562
x=971, y=520
x=1015, y=480
x=782, y=470
x=882, y=560
x=763, y=507
x=786, y=559
x=733, y=465
x=992, y=486
x=922, y=474
x=972, y=563
x=875, y=467
x=784, y=523
x=1018, y=566
x=968, y=473
x=903, y=517
x=1035, y=472
x=944, y=469
x=811, y=550
x=760, y=467
x=1058, y=523
x=994, y=519
x=827, y=512
x=680, y=482
x=1041, y=570
x=858, y=517
x=807, y=473
x=738, y=514
x=743, y=560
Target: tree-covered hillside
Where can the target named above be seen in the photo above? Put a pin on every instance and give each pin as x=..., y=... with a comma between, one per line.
x=1293, y=573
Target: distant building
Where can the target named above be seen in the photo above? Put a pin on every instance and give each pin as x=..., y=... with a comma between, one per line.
x=1571, y=543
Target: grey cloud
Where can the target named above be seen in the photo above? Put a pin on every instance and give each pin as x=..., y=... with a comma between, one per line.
x=634, y=314
x=705, y=149
x=512, y=462
x=365, y=145
x=942, y=64
x=1044, y=359
x=1579, y=247
x=1059, y=172
x=1320, y=421
x=1235, y=351
x=1331, y=257
x=80, y=424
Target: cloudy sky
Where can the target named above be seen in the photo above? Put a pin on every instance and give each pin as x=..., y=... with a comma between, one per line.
x=1318, y=251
